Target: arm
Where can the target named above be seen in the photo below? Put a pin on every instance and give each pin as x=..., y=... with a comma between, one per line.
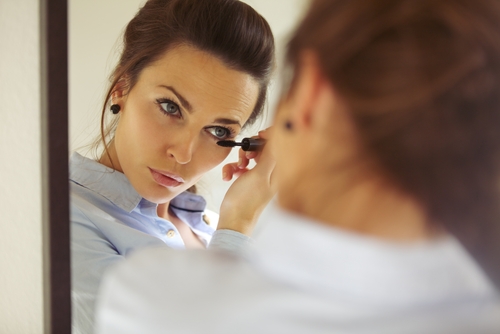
x=91, y=255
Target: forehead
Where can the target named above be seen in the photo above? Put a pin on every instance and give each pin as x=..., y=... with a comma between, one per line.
x=205, y=81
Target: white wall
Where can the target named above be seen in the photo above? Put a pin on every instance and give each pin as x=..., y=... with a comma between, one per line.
x=21, y=309
x=95, y=28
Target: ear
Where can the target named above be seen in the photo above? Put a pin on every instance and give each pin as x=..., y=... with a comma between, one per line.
x=312, y=95
x=120, y=90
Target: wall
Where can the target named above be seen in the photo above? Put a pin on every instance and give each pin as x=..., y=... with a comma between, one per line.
x=21, y=309
x=95, y=28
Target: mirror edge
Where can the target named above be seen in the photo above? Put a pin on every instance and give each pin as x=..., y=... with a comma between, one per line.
x=54, y=152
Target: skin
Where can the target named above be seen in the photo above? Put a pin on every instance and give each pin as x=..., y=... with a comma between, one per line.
x=171, y=119
x=251, y=192
x=327, y=176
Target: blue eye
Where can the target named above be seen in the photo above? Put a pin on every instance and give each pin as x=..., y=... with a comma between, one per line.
x=219, y=132
x=169, y=107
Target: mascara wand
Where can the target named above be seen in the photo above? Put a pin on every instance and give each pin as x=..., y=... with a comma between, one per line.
x=247, y=144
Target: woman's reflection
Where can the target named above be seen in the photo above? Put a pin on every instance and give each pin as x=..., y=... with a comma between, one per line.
x=191, y=73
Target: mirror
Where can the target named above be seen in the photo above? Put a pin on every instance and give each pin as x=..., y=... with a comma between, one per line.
x=95, y=29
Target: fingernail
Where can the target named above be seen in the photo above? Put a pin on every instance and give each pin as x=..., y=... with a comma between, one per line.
x=240, y=162
x=224, y=176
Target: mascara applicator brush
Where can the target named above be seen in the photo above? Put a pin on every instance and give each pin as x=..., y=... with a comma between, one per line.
x=247, y=144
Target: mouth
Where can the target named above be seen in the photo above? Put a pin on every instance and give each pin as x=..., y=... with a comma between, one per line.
x=166, y=179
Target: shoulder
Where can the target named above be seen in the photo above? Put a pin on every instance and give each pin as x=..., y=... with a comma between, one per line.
x=164, y=279
x=81, y=200
x=84, y=211
x=184, y=291
x=168, y=266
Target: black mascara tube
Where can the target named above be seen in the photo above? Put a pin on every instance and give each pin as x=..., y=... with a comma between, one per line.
x=247, y=144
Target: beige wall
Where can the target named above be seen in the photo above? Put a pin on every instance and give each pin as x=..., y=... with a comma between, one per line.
x=20, y=175
x=95, y=26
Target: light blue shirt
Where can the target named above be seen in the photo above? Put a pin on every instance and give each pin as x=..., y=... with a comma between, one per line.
x=109, y=220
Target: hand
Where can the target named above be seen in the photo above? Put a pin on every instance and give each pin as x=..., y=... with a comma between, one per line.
x=251, y=192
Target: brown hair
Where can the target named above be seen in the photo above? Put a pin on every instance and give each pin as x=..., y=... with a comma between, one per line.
x=422, y=83
x=228, y=29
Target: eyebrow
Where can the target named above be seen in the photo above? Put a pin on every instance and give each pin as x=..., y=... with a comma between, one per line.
x=183, y=101
x=227, y=121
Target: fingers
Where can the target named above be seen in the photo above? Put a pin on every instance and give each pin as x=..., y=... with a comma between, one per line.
x=232, y=170
x=228, y=171
x=251, y=154
x=263, y=134
x=237, y=169
x=243, y=160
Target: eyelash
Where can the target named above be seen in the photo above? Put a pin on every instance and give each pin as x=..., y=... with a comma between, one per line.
x=230, y=133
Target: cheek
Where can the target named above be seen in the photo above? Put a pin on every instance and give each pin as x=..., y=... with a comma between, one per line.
x=137, y=134
x=289, y=152
x=282, y=155
x=280, y=141
x=208, y=156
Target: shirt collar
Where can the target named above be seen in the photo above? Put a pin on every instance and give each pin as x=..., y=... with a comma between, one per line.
x=105, y=181
x=188, y=202
x=328, y=260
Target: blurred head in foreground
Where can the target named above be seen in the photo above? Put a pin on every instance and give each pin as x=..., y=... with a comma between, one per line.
x=394, y=113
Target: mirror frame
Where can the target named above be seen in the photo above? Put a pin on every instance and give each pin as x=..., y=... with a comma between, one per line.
x=55, y=171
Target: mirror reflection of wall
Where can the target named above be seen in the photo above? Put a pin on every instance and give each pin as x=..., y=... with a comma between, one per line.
x=95, y=28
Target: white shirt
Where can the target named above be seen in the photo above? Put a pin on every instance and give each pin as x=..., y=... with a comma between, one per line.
x=303, y=277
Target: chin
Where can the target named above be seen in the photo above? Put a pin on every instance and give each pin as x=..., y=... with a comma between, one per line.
x=159, y=199
x=161, y=195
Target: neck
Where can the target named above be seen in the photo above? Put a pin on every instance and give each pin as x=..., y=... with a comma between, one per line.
x=163, y=211
x=364, y=205
x=110, y=158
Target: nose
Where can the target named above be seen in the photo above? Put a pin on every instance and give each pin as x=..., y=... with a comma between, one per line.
x=182, y=148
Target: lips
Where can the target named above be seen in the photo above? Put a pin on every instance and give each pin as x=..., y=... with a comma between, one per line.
x=166, y=179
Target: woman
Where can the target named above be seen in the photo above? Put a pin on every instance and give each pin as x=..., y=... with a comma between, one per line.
x=387, y=151
x=191, y=73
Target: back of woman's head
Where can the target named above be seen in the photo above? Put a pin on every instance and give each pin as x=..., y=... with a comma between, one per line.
x=227, y=29
x=421, y=80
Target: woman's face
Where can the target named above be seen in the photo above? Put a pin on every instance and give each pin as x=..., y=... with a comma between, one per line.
x=172, y=118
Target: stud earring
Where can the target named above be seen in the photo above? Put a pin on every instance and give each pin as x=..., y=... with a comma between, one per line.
x=115, y=108
x=288, y=125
